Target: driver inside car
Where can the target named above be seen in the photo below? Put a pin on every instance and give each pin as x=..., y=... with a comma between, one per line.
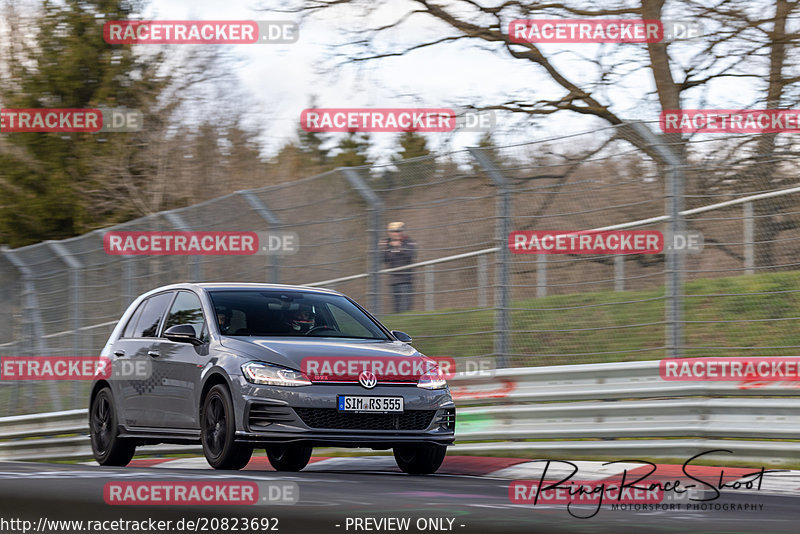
x=301, y=320
x=223, y=318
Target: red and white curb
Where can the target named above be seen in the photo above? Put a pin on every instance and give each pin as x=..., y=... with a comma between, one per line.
x=778, y=483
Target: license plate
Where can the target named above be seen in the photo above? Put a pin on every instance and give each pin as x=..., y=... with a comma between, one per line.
x=349, y=403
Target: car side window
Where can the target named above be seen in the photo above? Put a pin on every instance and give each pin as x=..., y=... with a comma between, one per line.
x=150, y=318
x=187, y=310
x=130, y=327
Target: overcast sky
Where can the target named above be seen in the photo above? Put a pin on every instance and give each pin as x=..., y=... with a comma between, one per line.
x=281, y=78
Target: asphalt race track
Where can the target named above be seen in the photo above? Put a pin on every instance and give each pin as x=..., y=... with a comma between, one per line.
x=332, y=492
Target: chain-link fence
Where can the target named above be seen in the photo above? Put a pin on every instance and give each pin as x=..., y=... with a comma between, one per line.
x=469, y=294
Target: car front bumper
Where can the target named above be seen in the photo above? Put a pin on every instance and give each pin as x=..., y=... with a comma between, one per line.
x=309, y=415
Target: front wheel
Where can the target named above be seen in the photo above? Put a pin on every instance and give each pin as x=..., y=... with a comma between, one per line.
x=107, y=447
x=419, y=459
x=288, y=457
x=218, y=430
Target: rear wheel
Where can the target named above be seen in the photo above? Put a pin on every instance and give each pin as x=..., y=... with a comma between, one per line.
x=107, y=447
x=288, y=457
x=419, y=459
x=218, y=430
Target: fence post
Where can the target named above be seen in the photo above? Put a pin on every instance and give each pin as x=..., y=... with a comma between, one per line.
x=674, y=258
x=75, y=283
x=541, y=275
x=374, y=229
x=32, y=328
x=749, y=253
x=619, y=272
x=502, y=271
x=429, y=287
x=274, y=223
x=483, y=280
x=196, y=269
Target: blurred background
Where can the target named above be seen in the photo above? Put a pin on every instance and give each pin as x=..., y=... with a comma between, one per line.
x=469, y=295
x=576, y=146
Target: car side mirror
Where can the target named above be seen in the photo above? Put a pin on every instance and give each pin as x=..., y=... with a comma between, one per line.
x=182, y=333
x=401, y=336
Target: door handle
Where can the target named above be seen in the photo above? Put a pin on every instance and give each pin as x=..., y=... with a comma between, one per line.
x=119, y=353
x=153, y=353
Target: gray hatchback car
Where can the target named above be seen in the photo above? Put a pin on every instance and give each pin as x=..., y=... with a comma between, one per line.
x=286, y=368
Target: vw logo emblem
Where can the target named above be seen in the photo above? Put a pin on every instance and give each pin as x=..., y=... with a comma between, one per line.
x=367, y=379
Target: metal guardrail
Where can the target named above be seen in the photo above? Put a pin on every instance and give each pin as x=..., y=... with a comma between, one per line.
x=57, y=435
x=610, y=409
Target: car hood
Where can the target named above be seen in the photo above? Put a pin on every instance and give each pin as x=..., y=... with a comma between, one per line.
x=291, y=352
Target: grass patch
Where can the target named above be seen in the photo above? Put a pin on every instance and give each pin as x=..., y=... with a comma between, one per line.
x=609, y=326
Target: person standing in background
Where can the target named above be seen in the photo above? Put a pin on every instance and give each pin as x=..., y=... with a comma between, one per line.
x=398, y=250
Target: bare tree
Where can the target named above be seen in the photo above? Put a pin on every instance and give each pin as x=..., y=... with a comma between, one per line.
x=744, y=45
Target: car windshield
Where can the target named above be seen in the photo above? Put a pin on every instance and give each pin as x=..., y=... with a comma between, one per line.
x=291, y=313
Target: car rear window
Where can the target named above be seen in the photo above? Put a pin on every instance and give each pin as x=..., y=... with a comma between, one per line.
x=154, y=309
x=131, y=326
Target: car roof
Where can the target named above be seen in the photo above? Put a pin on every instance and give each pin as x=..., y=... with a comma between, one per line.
x=211, y=286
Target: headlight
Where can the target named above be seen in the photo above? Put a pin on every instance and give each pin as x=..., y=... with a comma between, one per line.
x=432, y=379
x=264, y=373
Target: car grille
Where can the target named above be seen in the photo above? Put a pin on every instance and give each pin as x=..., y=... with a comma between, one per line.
x=262, y=415
x=331, y=418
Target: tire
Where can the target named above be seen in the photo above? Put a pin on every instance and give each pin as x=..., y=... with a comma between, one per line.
x=419, y=459
x=218, y=432
x=289, y=457
x=107, y=447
